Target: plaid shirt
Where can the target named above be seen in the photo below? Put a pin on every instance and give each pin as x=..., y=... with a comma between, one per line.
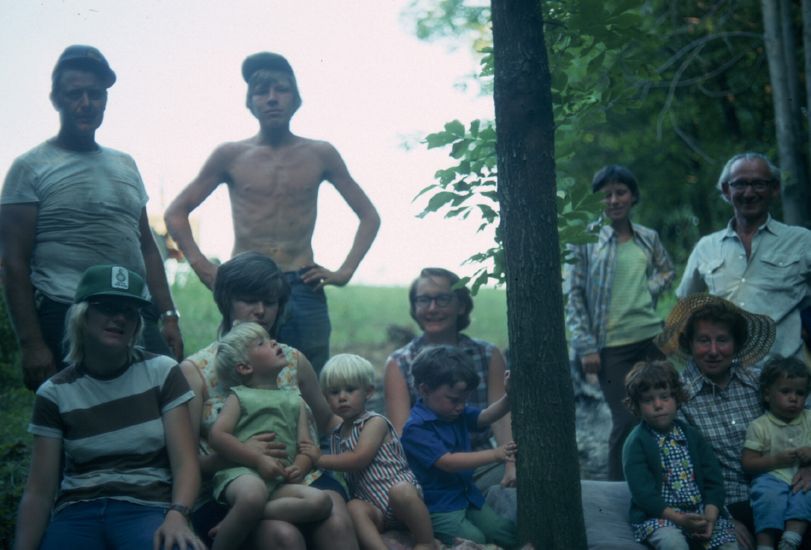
x=722, y=416
x=587, y=283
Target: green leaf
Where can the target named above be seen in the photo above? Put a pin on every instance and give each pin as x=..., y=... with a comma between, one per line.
x=455, y=128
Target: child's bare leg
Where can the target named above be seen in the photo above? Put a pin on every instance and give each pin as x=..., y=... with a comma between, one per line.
x=409, y=508
x=247, y=496
x=765, y=538
x=797, y=525
x=368, y=522
x=297, y=504
x=793, y=535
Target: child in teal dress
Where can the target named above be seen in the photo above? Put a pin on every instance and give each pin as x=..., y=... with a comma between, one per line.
x=260, y=486
x=677, y=490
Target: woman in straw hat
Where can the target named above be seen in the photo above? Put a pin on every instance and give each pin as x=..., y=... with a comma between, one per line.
x=612, y=287
x=720, y=341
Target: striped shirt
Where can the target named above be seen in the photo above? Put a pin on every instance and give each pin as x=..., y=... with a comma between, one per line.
x=480, y=351
x=112, y=429
x=388, y=467
x=722, y=415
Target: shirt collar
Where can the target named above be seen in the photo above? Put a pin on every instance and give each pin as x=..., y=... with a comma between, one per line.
x=607, y=232
x=769, y=225
x=782, y=423
x=423, y=413
x=694, y=380
x=675, y=434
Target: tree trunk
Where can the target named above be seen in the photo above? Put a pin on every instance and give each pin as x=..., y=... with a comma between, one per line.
x=794, y=180
x=549, y=506
x=806, y=10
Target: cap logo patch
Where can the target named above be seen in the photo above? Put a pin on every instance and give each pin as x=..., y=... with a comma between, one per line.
x=120, y=278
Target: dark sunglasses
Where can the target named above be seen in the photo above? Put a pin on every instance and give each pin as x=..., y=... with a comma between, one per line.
x=111, y=308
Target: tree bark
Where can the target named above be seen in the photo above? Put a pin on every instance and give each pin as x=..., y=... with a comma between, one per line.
x=794, y=179
x=806, y=11
x=549, y=504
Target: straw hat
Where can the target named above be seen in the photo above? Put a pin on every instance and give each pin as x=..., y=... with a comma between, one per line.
x=760, y=329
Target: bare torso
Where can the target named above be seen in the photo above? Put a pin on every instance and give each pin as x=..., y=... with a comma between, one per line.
x=274, y=197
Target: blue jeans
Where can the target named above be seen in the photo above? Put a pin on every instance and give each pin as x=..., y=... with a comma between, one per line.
x=773, y=503
x=306, y=325
x=101, y=524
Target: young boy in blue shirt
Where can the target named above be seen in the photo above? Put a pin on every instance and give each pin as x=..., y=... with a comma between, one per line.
x=436, y=439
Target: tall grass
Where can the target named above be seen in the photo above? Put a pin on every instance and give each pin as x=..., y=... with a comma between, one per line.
x=360, y=315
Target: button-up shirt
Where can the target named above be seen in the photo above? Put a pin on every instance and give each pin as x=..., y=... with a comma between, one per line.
x=722, y=416
x=426, y=438
x=774, y=280
x=588, y=281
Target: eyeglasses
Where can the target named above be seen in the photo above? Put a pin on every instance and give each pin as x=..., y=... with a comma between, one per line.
x=441, y=300
x=111, y=308
x=756, y=185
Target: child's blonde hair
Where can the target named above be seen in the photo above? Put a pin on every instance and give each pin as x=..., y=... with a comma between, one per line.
x=233, y=349
x=347, y=369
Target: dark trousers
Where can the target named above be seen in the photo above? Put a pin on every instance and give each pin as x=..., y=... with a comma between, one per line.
x=615, y=362
x=52, y=316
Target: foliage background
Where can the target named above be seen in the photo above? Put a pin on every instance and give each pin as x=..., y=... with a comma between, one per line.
x=669, y=89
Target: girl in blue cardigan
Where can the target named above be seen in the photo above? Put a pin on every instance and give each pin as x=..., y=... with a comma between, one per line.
x=677, y=490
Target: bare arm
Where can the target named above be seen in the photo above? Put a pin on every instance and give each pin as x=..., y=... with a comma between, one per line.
x=175, y=529
x=222, y=438
x=337, y=174
x=396, y=396
x=454, y=462
x=502, y=429
x=18, y=224
x=35, y=506
x=303, y=461
x=311, y=393
x=213, y=173
x=371, y=438
x=159, y=287
x=754, y=462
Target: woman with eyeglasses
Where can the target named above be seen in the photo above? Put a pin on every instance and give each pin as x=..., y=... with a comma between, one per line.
x=442, y=312
x=119, y=417
x=612, y=286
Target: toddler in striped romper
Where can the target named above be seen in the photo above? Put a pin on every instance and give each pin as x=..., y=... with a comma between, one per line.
x=384, y=491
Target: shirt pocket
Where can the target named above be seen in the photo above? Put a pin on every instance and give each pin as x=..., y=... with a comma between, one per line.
x=711, y=272
x=781, y=274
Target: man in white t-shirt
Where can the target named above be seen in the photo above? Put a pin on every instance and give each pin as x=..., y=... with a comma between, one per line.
x=68, y=204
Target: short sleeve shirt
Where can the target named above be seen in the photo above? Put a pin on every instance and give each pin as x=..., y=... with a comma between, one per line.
x=770, y=435
x=89, y=207
x=426, y=438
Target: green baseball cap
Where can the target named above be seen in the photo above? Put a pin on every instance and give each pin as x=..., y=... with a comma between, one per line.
x=112, y=280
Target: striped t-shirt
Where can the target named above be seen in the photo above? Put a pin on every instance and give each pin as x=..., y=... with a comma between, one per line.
x=112, y=429
x=388, y=467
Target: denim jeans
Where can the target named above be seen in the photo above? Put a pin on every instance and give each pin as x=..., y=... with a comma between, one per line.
x=306, y=325
x=101, y=524
x=773, y=503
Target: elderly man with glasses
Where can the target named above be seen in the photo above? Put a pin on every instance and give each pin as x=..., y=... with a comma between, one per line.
x=756, y=262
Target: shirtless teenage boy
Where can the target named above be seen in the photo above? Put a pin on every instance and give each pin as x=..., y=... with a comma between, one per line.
x=273, y=180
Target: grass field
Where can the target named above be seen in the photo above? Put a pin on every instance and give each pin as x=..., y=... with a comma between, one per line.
x=360, y=315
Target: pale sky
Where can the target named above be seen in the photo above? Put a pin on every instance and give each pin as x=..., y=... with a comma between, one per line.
x=366, y=83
